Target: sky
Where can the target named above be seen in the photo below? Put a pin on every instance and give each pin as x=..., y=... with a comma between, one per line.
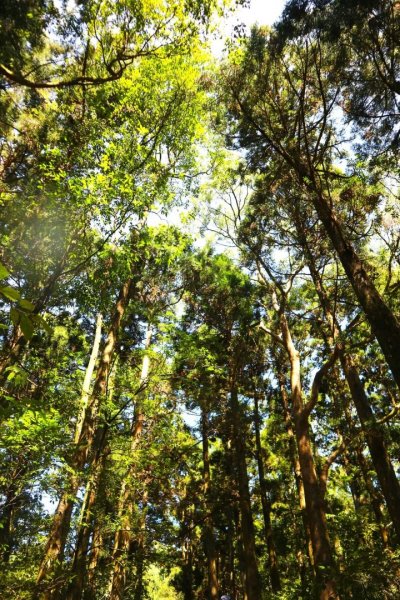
x=262, y=12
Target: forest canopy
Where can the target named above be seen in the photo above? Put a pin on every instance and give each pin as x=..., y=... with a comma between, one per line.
x=199, y=301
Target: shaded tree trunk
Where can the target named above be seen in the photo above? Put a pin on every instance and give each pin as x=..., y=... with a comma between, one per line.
x=266, y=505
x=208, y=529
x=252, y=577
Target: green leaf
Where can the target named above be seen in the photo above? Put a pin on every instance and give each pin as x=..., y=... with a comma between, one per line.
x=15, y=316
x=10, y=293
x=3, y=272
x=26, y=326
x=26, y=305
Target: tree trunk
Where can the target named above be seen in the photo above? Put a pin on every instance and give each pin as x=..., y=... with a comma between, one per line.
x=123, y=536
x=252, y=577
x=373, y=432
x=374, y=436
x=383, y=322
x=376, y=499
x=295, y=465
x=54, y=551
x=186, y=527
x=315, y=506
x=208, y=529
x=95, y=560
x=78, y=569
x=266, y=505
x=141, y=551
x=88, y=379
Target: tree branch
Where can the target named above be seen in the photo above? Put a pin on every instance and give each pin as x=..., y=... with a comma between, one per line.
x=323, y=478
x=318, y=380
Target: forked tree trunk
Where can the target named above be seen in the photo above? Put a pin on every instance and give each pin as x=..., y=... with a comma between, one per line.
x=381, y=318
x=374, y=433
x=315, y=506
x=86, y=428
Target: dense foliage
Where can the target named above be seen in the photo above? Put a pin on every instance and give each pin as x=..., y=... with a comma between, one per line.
x=199, y=302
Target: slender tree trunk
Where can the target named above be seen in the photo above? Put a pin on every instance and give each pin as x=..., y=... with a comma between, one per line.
x=252, y=577
x=88, y=379
x=123, y=536
x=95, y=558
x=99, y=454
x=11, y=503
x=141, y=550
x=186, y=527
x=12, y=493
x=376, y=499
x=266, y=505
x=374, y=436
x=354, y=482
x=208, y=530
x=54, y=551
x=232, y=572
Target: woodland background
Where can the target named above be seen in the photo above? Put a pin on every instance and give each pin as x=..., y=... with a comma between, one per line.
x=199, y=301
